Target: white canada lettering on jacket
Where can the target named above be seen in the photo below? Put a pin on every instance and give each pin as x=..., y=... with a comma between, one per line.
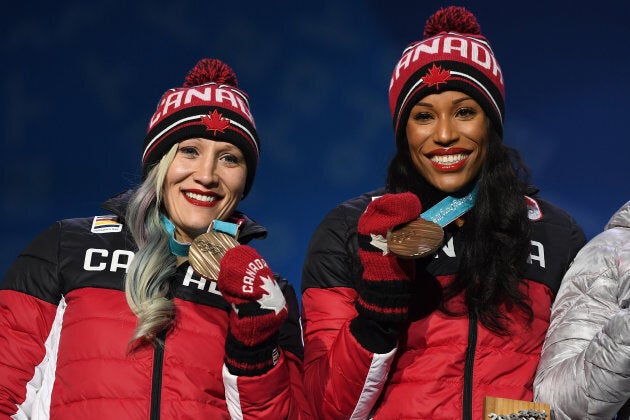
x=250, y=274
x=201, y=283
x=538, y=255
x=449, y=248
x=467, y=48
x=99, y=260
x=222, y=95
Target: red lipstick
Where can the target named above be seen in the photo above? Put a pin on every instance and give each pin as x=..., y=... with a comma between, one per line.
x=201, y=198
x=448, y=160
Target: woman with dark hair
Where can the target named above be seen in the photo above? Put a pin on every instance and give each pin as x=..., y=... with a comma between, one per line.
x=423, y=297
x=497, y=236
x=159, y=309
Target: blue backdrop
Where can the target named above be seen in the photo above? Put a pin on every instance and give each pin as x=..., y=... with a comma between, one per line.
x=81, y=79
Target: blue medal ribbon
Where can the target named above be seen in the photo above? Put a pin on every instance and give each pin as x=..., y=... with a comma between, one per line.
x=450, y=208
x=181, y=249
x=177, y=248
x=225, y=227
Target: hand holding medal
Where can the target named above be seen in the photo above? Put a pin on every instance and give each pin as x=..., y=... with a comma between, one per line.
x=423, y=236
x=258, y=307
x=386, y=282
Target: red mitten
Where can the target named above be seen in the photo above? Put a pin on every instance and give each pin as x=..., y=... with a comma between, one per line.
x=258, y=310
x=386, y=286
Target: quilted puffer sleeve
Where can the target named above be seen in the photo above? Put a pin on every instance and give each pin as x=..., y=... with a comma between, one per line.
x=278, y=393
x=584, y=371
x=28, y=303
x=342, y=379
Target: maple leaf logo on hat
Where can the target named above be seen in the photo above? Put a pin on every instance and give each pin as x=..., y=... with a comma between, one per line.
x=436, y=75
x=215, y=122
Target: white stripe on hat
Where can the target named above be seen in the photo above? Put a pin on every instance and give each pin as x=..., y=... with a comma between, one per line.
x=192, y=118
x=475, y=81
x=464, y=75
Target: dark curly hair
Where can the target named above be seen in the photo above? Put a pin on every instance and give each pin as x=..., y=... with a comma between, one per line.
x=496, y=232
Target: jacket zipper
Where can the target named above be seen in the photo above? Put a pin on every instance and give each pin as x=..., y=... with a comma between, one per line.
x=468, y=368
x=156, y=381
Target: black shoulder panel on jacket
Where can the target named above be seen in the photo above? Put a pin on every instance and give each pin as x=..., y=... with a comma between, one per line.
x=555, y=240
x=330, y=255
x=35, y=270
x=73, y=253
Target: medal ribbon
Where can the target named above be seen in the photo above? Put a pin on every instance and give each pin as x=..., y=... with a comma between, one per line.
x=177, y=248
x=450, y=208
x=181, y=249
x=225, y=227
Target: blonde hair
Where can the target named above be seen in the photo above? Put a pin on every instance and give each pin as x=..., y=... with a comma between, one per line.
x=147, y=280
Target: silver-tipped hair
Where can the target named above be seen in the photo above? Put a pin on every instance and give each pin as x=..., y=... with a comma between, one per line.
x=147, y=279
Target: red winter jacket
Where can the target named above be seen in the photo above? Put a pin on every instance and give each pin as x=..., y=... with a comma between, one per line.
x=443, y=366
x=65, y=328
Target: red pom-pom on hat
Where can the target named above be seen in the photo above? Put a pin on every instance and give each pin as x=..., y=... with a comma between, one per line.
x=210, y=90
x=452, y=19
x=210, y=70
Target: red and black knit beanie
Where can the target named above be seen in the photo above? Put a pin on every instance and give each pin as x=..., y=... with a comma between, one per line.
x=452, y=56
x=209, y=105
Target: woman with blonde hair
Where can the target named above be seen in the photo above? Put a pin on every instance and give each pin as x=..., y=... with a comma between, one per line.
x=107, y=318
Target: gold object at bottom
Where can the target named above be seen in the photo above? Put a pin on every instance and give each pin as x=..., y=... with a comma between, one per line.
x=495, y=408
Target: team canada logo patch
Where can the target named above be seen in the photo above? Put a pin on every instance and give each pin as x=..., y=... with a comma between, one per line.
x=215, y=122
x=106, y=224
x=533, y=210
x=435, y=76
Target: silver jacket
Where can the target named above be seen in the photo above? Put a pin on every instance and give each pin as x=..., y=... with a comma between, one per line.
x=584, y=371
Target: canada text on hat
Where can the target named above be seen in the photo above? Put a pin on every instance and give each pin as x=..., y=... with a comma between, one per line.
x=209, y=105
x=191, y=104
x=452, y=56
x=470, y=49
x=223, y=95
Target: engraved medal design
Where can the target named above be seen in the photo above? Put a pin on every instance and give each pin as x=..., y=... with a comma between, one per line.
x=207, y=249
x=424, y=236
x=415, y=239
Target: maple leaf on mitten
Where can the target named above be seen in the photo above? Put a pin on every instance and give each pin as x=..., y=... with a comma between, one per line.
x=248, y=285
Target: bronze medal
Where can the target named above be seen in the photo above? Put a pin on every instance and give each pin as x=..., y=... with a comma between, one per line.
x=207, y=250
x=415, y=239
x=423, y=236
